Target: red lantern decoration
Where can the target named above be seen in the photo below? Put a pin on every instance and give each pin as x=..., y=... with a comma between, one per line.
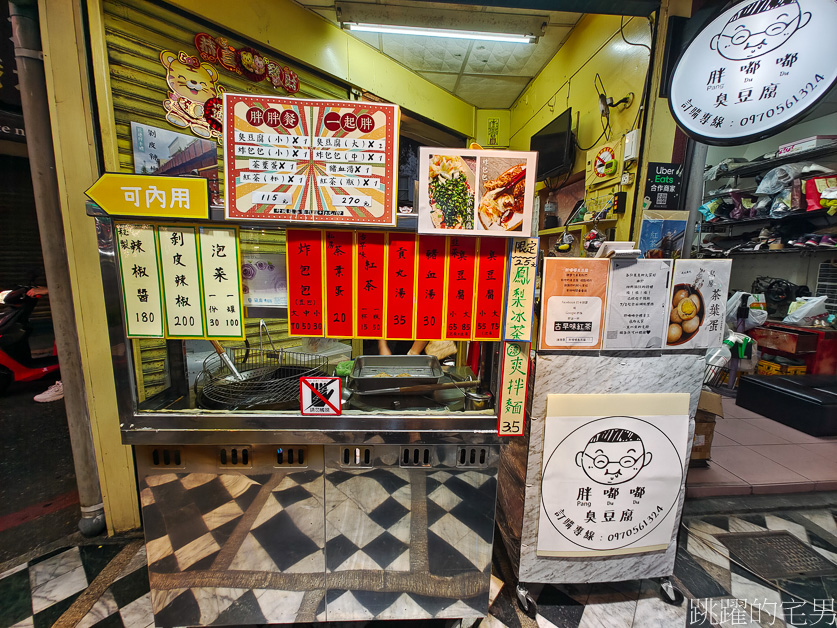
x=213, y=113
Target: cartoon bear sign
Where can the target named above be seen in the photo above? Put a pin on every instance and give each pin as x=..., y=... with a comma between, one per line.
x=191, y=84
x=759, y=28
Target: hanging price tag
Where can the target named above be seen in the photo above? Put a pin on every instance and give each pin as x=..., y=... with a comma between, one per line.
x=430, y=287
x=339, y=284
x=489, y=296
x=401, y=279
x=460, y=288
x=305, y=281
x=370, y=287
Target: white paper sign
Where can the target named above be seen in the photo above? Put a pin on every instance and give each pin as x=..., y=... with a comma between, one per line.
x=754, y=70
x=698, y=303
x=637, y=304
x=610, y=484
x=577, y=320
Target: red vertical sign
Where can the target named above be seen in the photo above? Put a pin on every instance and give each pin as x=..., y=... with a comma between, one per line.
x=490, y=292
x=401, y=276
x=304, y=257
x=371, y=283
x=460, y=288
x=339, y=284
x=430, y=287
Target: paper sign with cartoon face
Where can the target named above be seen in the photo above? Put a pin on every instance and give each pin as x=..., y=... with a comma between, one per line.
x=610, y=483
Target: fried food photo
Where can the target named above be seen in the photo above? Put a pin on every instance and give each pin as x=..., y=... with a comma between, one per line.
x=501, y=207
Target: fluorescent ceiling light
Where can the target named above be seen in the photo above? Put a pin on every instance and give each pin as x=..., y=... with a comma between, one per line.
x=388, y=29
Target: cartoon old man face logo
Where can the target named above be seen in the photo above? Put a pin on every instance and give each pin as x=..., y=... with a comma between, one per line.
x=758, y=28
x=613, y=456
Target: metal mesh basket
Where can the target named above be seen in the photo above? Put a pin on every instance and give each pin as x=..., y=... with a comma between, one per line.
x=268, y=378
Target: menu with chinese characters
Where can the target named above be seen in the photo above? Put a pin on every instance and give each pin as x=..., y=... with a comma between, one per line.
x=222, y=307
x=430, y=287
x=573, y=295
x=370, y=286
x=697, y=303
x=612, y=473
x=180, y=270
x=513, y=385
x=460, y=288
x=340, y=284
x=489, y=298
x=520, y=306
x=304, y=257
x=637, y=304
x=137, y=250
x=310, y=160
x=401, y=280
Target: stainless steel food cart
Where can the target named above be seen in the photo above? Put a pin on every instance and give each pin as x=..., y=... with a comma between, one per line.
x=257, y=517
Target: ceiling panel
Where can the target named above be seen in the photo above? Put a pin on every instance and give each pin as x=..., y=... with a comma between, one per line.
x=426, y=53
x=490, y=92
x=442, y=79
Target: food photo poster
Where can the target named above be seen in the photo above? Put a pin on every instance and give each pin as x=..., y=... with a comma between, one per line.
x=476, y=192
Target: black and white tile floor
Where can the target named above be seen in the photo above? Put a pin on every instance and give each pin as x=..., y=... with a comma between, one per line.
x=720, y=593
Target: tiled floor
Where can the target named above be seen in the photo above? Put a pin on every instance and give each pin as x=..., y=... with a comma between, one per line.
x=753, y=454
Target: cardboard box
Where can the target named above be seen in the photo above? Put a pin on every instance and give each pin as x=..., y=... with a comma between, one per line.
x=709, y=409
x=806, y=144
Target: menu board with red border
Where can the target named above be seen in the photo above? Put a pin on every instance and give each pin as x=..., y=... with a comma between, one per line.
x=490, y=297
x=304, y=259
x=321, y=161
x=401, y=283
x=460, y=288
x=370, y=287
x=339, y=261
x=430, y=287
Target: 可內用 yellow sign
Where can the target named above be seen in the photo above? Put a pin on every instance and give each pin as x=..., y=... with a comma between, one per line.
x=151, y=196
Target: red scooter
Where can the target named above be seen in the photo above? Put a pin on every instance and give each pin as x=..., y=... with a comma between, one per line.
x=16, y=361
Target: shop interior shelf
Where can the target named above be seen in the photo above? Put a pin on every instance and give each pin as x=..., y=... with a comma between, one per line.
x=786, y=251
x=751, y=169
x=752, y=222
x=607, y=223
x=747, y=189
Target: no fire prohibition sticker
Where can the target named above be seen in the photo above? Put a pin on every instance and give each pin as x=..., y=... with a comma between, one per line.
x=320, y=395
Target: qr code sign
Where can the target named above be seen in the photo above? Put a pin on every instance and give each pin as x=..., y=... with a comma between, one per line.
x=662, y=198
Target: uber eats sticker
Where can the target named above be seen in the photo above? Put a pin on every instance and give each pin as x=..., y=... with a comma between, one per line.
x=754, y=70
x=610, y=484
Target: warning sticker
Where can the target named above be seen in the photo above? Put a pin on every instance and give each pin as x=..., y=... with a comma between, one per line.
x=320, y=395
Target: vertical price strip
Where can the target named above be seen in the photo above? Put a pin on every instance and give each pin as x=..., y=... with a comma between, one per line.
x=371, y=250
x=340, y=284
x=514, y=383
x=180, y=270
x=304, y=259
x=140, y=273
x=460, y=288
x=401, y=283
x=490, y=294
x=221, y=275
x=520, y=306
x=430, y=287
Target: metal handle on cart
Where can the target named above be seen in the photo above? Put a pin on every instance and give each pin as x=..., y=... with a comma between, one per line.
x=226, y=359
x=421, y=388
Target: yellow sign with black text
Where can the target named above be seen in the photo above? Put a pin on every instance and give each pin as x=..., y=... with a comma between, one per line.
x=151, y=196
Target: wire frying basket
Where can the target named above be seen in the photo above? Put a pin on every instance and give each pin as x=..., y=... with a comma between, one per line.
x=268, y=378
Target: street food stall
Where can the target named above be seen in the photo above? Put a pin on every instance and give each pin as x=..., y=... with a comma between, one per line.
x=286, y=473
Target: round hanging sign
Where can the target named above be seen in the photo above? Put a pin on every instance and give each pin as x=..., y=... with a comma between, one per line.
x=754, y=70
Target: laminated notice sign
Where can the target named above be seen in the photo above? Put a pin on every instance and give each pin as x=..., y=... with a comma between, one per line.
x=305, y=281
x=322, y=161
x=613, y=472
x=401, y=281
x=460, y=289
x=339, y=270
x=370, y=286
x=698, y=303
x=138, y=267
x=430, y=287
x=514, y=382
x=180, y=271
x=573, y=295
x=637, y=304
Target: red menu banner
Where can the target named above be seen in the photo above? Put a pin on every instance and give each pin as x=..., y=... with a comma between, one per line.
x=371, y=250
x=489, y=296
x=460, y=287
x=430, y=287
x=401, y=284
x=304, y=260
x=339, y=259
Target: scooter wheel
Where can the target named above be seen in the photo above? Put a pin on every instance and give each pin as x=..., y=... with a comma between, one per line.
x=6, y=379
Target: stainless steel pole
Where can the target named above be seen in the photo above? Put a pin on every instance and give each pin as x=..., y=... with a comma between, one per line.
x=34, y=98
x=694, y=192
